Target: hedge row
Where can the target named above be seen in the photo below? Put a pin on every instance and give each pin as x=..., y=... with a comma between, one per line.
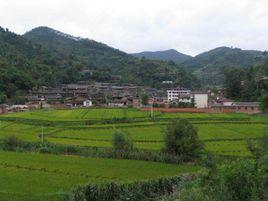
x=118, y=120
x=13, y=144
x=137, y=191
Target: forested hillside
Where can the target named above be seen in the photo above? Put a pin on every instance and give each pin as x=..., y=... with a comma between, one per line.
x=246, y=84
x=209, y=66
x=167, y=55
x=45, y=56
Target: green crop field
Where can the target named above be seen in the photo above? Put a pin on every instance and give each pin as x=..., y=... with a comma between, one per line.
x=32, y=176
x=98, y=114
x=80, y=114
x=146, y=134
x=29, y=176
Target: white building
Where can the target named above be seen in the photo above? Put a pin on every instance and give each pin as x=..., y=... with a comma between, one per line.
x=186, y=96
x=200, y=99
x=176, y=94
x=87, y=103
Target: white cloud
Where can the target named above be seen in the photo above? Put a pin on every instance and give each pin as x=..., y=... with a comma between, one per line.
x=190, y=26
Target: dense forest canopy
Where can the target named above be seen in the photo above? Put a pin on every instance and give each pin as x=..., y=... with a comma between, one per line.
x=246, y=84
x=165, y=55
x=209, y=66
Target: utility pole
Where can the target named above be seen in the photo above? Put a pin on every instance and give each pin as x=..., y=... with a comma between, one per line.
x=152, y=109
x=42, y=135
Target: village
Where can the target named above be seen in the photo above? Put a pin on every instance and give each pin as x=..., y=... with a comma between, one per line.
x=111, y=95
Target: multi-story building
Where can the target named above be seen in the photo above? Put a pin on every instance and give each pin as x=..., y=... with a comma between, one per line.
x=200, y=99
x=182, y=95
x=176, y=94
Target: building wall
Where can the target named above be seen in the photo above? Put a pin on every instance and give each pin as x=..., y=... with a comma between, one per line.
x=201, y=100
x=176, y=93
x=248, y=109
x=87, y=103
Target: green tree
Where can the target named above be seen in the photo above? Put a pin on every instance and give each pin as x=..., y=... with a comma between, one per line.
x=181, y=138
x=144, y=99
x=233, y=82
x=264, y=103
x=2, y=98
x=122, y=142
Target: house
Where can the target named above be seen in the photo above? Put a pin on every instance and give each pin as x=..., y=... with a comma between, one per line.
x=175, y=94
x=239, y=107
x=200, y=99
x=167, y=82
x=247, y=107
x=18, y=108
x=87, y=103
x=123, y=102
x=3, y=109
x=225, y=101
x=136, y=103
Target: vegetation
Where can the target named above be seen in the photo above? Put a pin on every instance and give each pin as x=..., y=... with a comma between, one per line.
x=11, y=143
x=264, y=103
x=48, y=57
x=209, y=66
x=31, y=176
x=248, y=84
x=224, y=179
x=223, y=134
x=122, y=142
x=144, y=99
x=167, y=55
x=137, y=191
x=78, y=150
x=181, y=138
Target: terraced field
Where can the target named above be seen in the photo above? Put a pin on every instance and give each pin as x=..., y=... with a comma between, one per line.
x=222, y=133
x=49, y=177
x=29, y=176
x=80, y=114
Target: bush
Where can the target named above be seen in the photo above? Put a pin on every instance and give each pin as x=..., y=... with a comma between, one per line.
x=122, y=142
x=181, y=138
x=44, y=150
x=239, y=180
x=11, y=143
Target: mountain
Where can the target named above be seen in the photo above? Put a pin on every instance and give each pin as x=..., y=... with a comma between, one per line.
x=44, y=56
x=166, y=55
x=88, y=52
x=209, y=66
x=103, y=62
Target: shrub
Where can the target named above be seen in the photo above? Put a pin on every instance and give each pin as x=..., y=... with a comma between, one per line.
x=122, y=142
x=11, y=143
x=239, y=179
x=181, y=138
x=44, y=150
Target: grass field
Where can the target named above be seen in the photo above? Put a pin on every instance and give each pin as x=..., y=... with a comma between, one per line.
x=29, y=176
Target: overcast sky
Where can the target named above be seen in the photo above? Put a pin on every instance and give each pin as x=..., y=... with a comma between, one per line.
x=189, y=26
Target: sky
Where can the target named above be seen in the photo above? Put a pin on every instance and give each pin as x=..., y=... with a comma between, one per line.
x=189, y=26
